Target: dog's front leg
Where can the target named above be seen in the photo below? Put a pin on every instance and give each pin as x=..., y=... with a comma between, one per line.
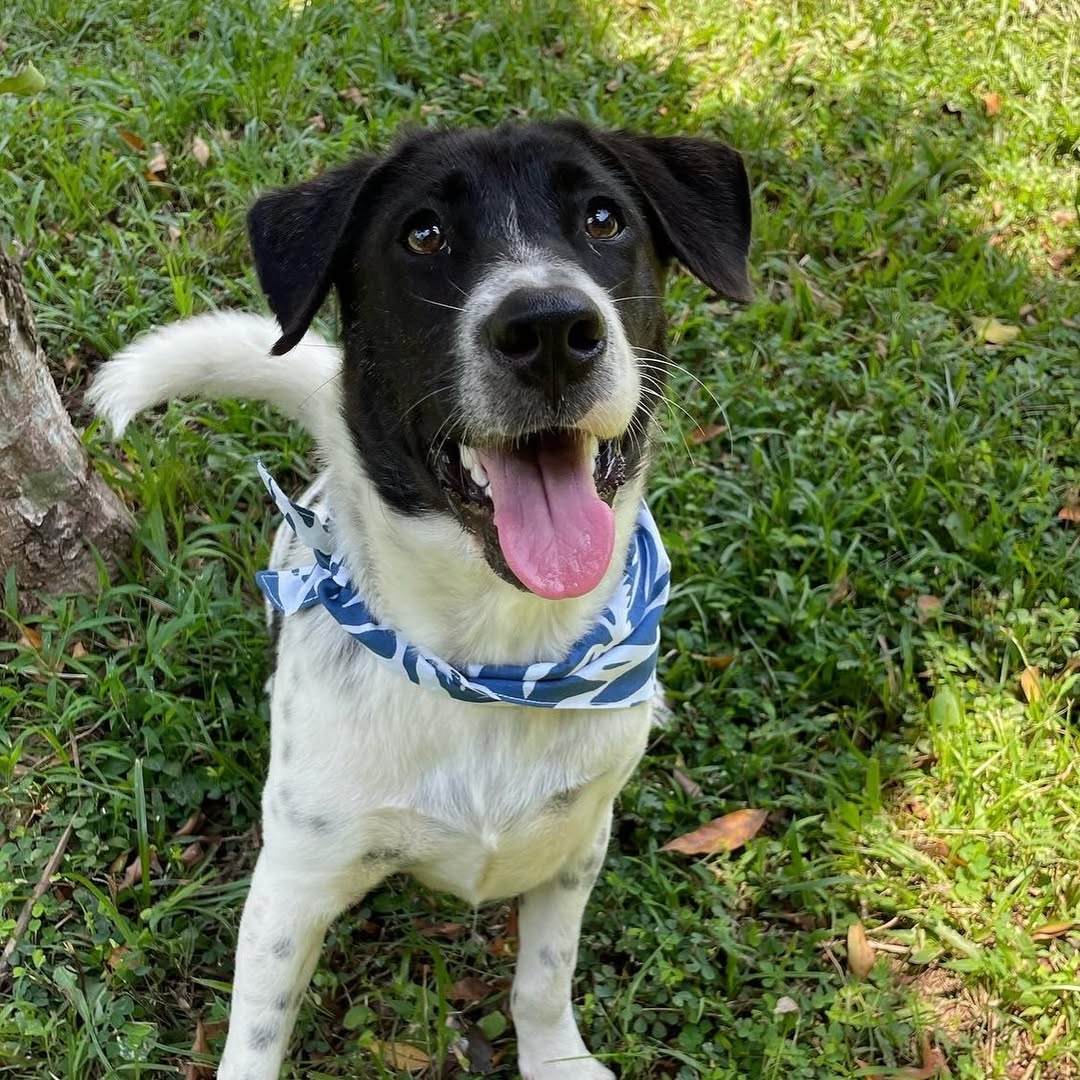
x=290, y=905
x=549, y=924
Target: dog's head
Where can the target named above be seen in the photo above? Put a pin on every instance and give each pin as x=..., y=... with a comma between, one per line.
x=501, y=305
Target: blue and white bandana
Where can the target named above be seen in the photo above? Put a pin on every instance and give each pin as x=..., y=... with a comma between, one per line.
x=611, y=667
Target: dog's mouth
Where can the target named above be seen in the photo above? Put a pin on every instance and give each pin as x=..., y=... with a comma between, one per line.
x=541, y=506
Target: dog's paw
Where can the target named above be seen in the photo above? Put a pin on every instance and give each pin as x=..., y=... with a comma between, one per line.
x=581, y=1068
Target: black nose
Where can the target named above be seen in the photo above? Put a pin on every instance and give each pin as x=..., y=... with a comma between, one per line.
x=550, y=337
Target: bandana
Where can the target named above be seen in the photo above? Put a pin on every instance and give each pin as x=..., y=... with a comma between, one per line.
x=613, y=666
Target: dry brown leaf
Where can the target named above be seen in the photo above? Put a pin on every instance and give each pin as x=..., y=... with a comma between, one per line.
x=131, y=139
x=1062, y=218
x=991, y=103
x=78, y=651
x=611, y=86
x=30, y=638
x=1069, y=513
x=196, y=1070
x=860, y=956
x=174, y=234
x=317, y=122
x=993, y=332
x=928, y=605
x=450, y=930
x=1057, y=259
x=192, y=825
x=158, y=165
x=401, y=1056
x=1049, y=931
x=116, y=957
x=841, y=591
x=718, y=662
x=430, y=110
x=722, y=834
x=473, y=80
x=200, y=150
x=192, y=854
x=1031, y=684
x=469, y=990
x=353, y=96
x=706, y=432
x=687, y=783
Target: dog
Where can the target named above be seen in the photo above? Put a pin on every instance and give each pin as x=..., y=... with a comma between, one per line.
x=484, y=430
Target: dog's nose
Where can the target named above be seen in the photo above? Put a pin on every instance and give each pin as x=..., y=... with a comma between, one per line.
x=550, y=337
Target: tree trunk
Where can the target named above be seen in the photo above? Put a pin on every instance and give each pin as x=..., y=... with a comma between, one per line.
x=54, y=509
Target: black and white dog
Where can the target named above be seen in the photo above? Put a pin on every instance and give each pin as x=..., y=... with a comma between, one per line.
x=485, y=435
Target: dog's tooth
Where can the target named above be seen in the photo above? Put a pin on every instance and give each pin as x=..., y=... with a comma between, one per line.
x=479, y=476
x=468, y=458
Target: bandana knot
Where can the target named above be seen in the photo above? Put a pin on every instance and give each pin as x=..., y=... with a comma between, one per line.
x=613, y=666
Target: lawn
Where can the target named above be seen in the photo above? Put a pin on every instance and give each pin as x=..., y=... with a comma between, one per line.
x=870, y=493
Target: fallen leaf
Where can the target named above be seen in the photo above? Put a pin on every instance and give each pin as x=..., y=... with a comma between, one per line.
x=473, y=80
x=1070, y=324
x=718, y=662
x=841, y=591
x=78, y=651
x=934, y=846
x=1063, y=217
x=174, y=234
x=401, y=1056
x=687, y=783
x=450, y=930
x=853, y=44
x=784, y=1006
x=116, y=957
x=662, y=110
x=131, y=139
x=704, y=434
x=317, y=122
x=611, y=86
x=1069, y=513
x=991, y=103
x=928, y=605
x=1049, y=931
x=353, y=96
x=470, y=990
x=993, y=332
x=997, y=208
x=192, y=854
x=158, y=165
x=1030, y=684
x=1057, y=259
x=200, y=150
x=430, y=110
x=860, y=956
x=30, y=639
x=933, y=1064
x=722, y=834
x=24, y=83
x=196, y=1070
x=193, y=824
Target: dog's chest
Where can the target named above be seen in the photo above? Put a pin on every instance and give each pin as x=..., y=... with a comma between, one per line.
x=483, y=801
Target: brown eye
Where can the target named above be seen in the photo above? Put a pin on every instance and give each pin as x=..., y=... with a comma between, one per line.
x=602, y=221
x=425, y=236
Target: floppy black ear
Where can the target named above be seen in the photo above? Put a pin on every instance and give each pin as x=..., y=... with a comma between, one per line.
x=296, y=235
x=698, y=199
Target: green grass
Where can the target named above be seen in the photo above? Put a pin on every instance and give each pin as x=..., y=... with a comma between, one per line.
x=874, y=543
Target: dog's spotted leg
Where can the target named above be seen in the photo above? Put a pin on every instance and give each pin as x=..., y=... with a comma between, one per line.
x=290, y=905
x=549, y=1044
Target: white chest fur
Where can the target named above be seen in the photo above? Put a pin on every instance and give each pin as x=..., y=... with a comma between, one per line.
x=479, y=800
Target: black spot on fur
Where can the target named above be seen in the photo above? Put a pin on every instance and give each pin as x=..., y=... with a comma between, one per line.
x=283, y=948
x=281, y=1002
x=547, y=957
x=568, y=880
x=262, y=1036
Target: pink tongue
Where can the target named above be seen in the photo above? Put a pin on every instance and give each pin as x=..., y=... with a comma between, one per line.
x=555, y=532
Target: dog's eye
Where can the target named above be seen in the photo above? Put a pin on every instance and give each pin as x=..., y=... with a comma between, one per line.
x=425, y=235
x=602, y=221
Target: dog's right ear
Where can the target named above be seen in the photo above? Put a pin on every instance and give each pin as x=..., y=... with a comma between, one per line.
x=296, y=235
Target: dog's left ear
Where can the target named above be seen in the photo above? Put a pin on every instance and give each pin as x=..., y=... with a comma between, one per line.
x=698, y=199
x=297, y=234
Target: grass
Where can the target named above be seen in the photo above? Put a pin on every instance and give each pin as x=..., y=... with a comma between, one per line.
x=867, y=560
